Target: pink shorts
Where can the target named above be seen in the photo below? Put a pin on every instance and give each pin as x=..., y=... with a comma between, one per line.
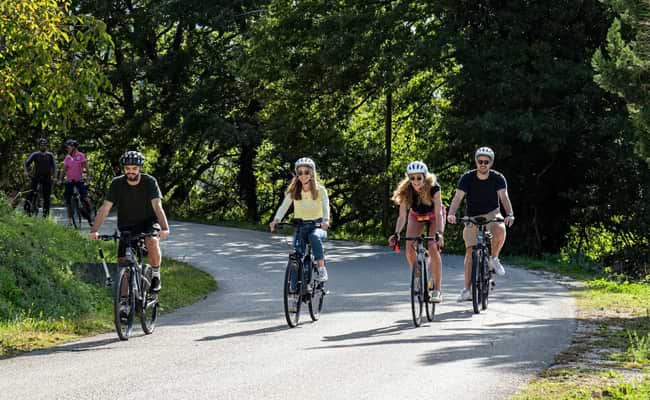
x=428, y=217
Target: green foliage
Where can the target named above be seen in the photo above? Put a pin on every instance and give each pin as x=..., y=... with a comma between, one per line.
x=48, y=64
x=623, y=68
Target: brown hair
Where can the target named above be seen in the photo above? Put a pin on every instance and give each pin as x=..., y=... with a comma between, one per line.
x=295, y=187
x=405, y=192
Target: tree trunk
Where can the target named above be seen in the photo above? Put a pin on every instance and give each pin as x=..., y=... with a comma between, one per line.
x=388, y=132
x=247, y=181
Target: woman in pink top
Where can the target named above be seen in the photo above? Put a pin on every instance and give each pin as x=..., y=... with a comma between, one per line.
x=73, y=169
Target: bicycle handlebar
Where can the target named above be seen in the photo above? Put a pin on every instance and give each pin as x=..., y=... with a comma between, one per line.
x=480, y=221
x=122, y=235
x=298, y=222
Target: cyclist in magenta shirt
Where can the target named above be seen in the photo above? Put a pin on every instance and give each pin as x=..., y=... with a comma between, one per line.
x=73, y=169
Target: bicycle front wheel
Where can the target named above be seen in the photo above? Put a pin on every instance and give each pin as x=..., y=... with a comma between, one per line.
x=76, y=213
x=485, y=282
x=430, y=286
x=476, y=280
x=292, y=299
x=149, y=308
x=317, y=298
x=124, y=305
x=416, y=293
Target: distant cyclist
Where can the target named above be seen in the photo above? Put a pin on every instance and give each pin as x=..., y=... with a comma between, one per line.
x=139, y=210
x=418, y=194
x=76, y=170
x=486, y=191
x=44, y=172
x=310, y=204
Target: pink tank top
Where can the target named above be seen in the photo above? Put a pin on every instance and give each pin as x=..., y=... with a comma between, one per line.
x=74, y=166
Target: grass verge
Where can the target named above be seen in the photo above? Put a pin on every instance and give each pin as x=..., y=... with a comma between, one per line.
x=609, y=357
x=44, y=303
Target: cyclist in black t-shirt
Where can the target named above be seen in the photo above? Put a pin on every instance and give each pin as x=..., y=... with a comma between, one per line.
x=44, y=172
x=419, y=195
x=486, y=191
x=139, y=210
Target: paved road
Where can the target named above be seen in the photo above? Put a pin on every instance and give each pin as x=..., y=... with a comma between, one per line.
x=236, y=345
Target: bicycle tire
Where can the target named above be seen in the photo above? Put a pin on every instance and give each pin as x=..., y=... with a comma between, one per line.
x=416, y=294
x=290, y=296
x=36, y=203
x=76, y=215
x=429, y=305
x=485, y=282
x=316, y=300
x=476, y=284
x=149, y=307
x=123, y=325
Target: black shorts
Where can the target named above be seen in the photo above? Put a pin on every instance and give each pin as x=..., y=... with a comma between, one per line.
x=143, y=227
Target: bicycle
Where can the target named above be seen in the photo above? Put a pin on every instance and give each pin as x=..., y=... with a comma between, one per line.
x=78, y=208
x=422, y=283
x=300, y=285
x=33, y=201
x=132, y=293
x=481, y=278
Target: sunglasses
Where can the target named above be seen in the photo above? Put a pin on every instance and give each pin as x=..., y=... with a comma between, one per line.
x=483, y=162
x=302, y=172
x=416, y=177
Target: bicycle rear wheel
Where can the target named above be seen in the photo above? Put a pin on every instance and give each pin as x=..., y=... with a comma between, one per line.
x=476, y=281
x=317, y=298
x=292, y=298
x=149, y=309
x=416, y=293
x=429, y=305
x=124, y=304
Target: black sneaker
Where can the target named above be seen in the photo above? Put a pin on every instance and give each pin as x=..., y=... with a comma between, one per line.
x=155, y=284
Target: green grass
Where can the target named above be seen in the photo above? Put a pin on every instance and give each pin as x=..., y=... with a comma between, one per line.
x=43, y=303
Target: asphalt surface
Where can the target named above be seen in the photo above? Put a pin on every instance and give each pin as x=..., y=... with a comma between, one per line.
x=236, y=344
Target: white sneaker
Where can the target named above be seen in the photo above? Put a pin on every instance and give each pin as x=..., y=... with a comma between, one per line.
x=495, y=265
x=436, y=296
x=465, y=295
x=322, y=274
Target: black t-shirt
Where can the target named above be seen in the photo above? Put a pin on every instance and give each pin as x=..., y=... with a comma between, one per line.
x=482, y=195
x=418, y=206
x=134, y=202
x=44, y=164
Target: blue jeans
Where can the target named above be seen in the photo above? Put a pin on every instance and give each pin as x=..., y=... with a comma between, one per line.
x=315, y=237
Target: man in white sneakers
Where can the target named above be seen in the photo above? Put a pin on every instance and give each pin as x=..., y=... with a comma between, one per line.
x=486, y=191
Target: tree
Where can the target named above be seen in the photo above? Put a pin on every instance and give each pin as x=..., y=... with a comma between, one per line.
x=624, y=67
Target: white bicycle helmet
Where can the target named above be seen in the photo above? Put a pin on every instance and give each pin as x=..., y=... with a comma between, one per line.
x=484, y=151
x=305, y=162
x=417, y=167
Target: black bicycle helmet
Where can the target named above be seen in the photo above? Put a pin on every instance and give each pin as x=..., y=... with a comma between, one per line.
x=132, y=158
x=72, y=142
x=43, y=142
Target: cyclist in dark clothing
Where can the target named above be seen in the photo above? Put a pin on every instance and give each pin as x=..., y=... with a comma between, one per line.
x=139, y=210
x=43, y=172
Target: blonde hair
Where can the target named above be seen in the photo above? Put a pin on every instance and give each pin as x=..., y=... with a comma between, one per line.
x=405, y=192
x=295, y=187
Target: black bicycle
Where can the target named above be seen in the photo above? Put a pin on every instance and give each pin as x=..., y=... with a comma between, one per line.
x=300, y=284
x=78, y=209
x=422, y=282
x=481, y=279
x=33, y=201
x=132, y=294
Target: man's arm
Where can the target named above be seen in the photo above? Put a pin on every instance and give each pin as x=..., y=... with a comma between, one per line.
x=29, y=160
x=455, y=203
x=162, y=218
x=100, y=218
x=505, y=200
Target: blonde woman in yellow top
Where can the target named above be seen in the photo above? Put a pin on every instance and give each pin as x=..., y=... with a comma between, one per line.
x=310, y=204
